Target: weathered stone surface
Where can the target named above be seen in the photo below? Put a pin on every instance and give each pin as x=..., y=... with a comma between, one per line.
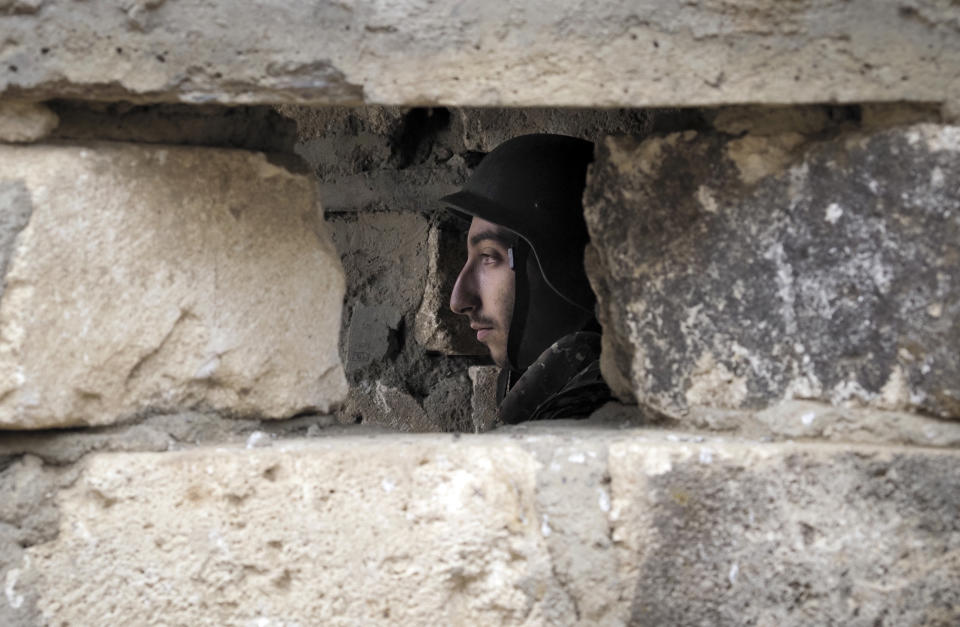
x=381, y=158
x=736, y=533
x=22, y=122
x=733, y=273
x=483, y=400
x=384, y=257
x=826, y=422
x=614, y=53
x=576, y=523
x=159, y=279
x=371, y=331
x=28, y=515
x=375, y=403
x=484, y=128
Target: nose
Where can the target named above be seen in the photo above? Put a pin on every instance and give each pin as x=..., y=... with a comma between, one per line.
x=464, y=298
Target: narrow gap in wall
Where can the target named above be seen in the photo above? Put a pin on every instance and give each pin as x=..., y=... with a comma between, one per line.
x=411, y=363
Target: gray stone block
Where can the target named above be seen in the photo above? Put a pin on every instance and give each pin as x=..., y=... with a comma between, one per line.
x=737, y=272
x=370, y=335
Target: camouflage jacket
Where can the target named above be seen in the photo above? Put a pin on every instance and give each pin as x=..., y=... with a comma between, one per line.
x=564, y=382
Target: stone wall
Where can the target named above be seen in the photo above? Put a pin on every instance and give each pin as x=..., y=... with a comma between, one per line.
x=199, y=301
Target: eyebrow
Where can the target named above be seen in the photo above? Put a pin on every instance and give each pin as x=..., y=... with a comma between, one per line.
x=500, y=238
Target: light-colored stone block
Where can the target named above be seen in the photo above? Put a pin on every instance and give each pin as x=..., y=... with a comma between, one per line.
x=733, y=533
x=545, y=524
x=735, y=273
x=361, y=532
x=145, y=279
x=23, y=122
x=561, y=52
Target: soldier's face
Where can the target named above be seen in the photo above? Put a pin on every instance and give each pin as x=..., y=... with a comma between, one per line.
x=484, y=289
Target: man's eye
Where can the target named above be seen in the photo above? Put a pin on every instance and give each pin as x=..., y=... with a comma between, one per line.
x=489, y=258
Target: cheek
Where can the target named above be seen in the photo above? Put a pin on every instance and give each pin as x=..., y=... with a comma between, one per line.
x=506, y=297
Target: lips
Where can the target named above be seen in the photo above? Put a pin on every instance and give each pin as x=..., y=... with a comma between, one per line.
x=482, y=332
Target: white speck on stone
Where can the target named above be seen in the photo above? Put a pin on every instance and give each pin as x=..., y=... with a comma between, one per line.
x=388, y=485
x=800, y=348
x=603, y=500
x=936, y=177
x=209, y=470
x=807, y=418
x=257, y=438
x=555, y=467
x=81, y=530
x=935, y=310
x=706, y=455
x=14, y=600
x=672, y=437
x=785, y=286
x=208, y=369
x=577, y=458
x=732, y=576
x=834, y=212
x=931, y=432
x=706, y=199
x=545, y=526
x=657, y=462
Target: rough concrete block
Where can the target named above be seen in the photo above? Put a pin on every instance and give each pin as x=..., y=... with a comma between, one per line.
x=376, y=403
x=414, y=189
x=384, y=256
x=436, y=327
x=582, y=523
x=23, y=122
x=483, y=400
x=609, y=54
x=370, y=334
x=727, y=533
x=149, y=279
x=483, y=128
x=736, y=273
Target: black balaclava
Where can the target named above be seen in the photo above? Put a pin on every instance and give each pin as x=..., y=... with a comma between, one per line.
x=533, y=186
